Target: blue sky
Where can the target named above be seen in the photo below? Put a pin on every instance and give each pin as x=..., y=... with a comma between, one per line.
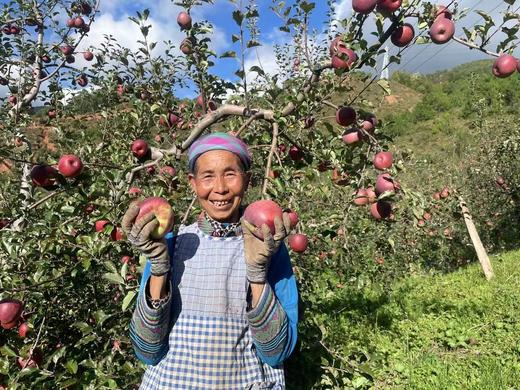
x=113, y=19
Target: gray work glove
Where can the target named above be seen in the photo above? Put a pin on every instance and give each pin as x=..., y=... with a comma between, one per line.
x=258, y=253
x=139, y=236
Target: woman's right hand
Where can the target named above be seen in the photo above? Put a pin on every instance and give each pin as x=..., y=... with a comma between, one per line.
x=138, y=234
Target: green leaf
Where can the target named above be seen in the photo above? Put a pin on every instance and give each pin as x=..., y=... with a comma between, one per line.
x=83, y=327
x=114, y=278
x=385, y=85
x=307, y=7
x=71, y=366
x=128, y=299
x=238, y=17
x=253, y=43
x=110, y=266
x=228, y=54
x=257, y=69
x=235, y=38
x=68, y=209
x=6, y=351
x=100, y=316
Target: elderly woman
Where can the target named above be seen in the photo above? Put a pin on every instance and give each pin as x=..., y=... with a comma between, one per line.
x=217, y=307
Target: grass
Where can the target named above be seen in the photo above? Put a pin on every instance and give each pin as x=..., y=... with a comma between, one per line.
x=424, y=332
x=455, y=331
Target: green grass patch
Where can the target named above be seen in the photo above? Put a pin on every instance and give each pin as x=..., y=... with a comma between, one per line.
x=439, y=331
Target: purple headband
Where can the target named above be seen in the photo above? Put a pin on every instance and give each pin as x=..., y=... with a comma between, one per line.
x=219, y=141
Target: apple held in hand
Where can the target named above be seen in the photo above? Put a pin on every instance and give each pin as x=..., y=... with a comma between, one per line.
x=162, y=211
x=70, y=165
x=10, y=312
x=298, y=242
x=262, y=212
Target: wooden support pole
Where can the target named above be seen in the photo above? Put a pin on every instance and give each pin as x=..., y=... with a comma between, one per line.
x=483, y=258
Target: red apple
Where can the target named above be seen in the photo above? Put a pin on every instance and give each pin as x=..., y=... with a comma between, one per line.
x=10, y=312
x=158, y=138
x=371, y=194
x=388, y=6
x=70, y=165
x=51, y=114
x=421, y=222
x=70, y=59
x=12, y=99
x=273, y=174
x=262, y=212
x=186, y=46
x=345, y=116
x=15, y=30
x=309, y=122
x=150, y=170
x=168, y=171
x=282, y=148
x=82, y=80
x=500, y=181
x=67, y=50
x=100, y=225
x=134, y=192
x=295, y=153
x=369, y=124
x=120, y=89
x=384, y=183
x=79, y=22
x=403, y=35
x=352, y=136
x=361, y=197
x=437, y=196
x=427, y=216
x=184, y=20
x=139, y=148
x=35, y=360
x=200, y=100
x=445, y=193
x=345, y=58
x=70, y=22
x=381, y=210
x=383, y=160
x=126, y=259
x=4, y=222
x=88, y=55
x=504, y=66
x=85, y=8
x=162, y=211
x=23, y=329
x=46, y=59
x=293, y=217
x=116, y=234
x=364, y=6
x=298, y=242
x=43, y=175
x=442, y=30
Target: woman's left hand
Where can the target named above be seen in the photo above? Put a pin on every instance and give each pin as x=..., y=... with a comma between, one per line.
x=258, y=253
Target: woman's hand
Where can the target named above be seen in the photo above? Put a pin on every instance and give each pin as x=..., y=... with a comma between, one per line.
x=258, y=253
x=139, y=236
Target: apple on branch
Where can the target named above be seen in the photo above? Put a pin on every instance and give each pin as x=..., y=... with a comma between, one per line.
x=184, y=20
x=298, y=242
x=383, y=160
x=403, y=35
x=345, y=116
x=140, y=148
x=10, y=312
x=504, y=66
x=70, y=165
x=388, y=6
x=442, y=30
x=364, y=6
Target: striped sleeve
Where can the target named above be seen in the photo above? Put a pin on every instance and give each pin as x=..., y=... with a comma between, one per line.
x=274, y=321
x=268, y=323
x=149, y=327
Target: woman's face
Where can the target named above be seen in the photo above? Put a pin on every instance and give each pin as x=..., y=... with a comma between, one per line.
x=220, y=183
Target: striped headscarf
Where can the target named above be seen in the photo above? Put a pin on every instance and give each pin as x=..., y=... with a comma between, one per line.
x=219, y=141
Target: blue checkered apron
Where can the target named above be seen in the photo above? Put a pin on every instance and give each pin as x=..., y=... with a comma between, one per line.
x=210, y=345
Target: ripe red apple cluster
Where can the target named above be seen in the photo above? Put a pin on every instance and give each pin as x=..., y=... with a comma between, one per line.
x=443, y=27
x=116, y=234
x=347, y=116
x=341, y=55
x=11, y=29
x=264, y=212
x=379, y=209
x=442, y=194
